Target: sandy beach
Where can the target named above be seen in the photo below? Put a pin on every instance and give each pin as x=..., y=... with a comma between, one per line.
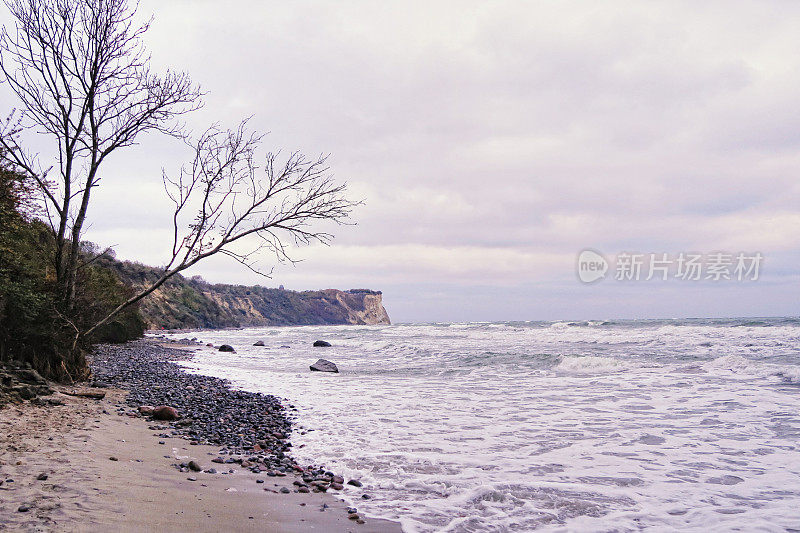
x=84, y=466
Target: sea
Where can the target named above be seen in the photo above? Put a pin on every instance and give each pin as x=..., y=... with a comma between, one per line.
x=655, y=425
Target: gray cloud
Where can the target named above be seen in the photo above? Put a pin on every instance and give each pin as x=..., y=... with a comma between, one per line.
x=493, y=141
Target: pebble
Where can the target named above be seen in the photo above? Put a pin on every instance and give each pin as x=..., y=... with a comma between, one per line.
x=284, y=490
x=191, y=478
x=247, y=427
x=194, y=466
x=42, y=477
x=23, y=508
x=112, y=458
x=212, y=413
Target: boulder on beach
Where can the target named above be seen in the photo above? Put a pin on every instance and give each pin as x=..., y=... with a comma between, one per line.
x=319, y=344
x=227, y=348
x=165, y=412
x=323, y=365
x=146, y=410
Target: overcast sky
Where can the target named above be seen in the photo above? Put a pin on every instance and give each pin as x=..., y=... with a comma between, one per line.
x=493, y=141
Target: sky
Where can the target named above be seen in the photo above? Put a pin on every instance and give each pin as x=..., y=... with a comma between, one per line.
x=492, y=142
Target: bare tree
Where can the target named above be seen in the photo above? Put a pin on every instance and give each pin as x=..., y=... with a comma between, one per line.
x=80, y=71
x=225, y=203
x=82, y=76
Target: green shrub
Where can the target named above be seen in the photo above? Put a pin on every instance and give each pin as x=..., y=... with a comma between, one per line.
x=31, y=327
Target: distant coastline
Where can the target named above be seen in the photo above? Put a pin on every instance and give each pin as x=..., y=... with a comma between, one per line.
x=192, y=303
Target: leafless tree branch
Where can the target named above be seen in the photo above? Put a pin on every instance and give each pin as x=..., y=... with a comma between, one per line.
x=225, y=203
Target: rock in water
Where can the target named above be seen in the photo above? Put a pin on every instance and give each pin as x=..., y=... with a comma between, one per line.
x=259, y=343
x=319, y=344
x=227, y=348
x=165, y=412
x=323, y=365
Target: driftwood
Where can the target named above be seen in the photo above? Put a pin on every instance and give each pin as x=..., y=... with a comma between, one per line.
x=87, y=394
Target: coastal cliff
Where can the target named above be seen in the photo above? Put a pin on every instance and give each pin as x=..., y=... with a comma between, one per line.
x=183, y=303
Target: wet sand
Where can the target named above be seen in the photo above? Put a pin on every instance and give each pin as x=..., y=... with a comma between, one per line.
x=141, y=490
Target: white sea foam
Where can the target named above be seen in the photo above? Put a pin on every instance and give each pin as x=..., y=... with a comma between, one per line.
x=592, y=364
x=790, y=374
x=557, y=427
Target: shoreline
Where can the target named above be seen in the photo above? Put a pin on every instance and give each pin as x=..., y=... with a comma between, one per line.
x=149, y=485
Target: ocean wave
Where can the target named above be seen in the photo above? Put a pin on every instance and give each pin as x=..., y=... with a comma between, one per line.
x=789, y=375
x=735, y=364
x=539, y=426
x=591, y=364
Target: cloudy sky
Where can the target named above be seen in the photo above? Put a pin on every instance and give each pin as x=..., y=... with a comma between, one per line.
x=493, y=141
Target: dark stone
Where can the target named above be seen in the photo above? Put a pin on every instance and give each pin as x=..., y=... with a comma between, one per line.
x=23, y=508
x=30, y=376
x=194, y=466
x=227, y=348
x=354, y=482
x=165, y=412
x=284, y=490
x=259, y=343
x=212, y=413
x=323, y=365
x=25, y=392
x=42, y=477
x=321, y=344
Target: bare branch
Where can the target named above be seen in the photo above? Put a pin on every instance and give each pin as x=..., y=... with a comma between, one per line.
x=226, y=204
